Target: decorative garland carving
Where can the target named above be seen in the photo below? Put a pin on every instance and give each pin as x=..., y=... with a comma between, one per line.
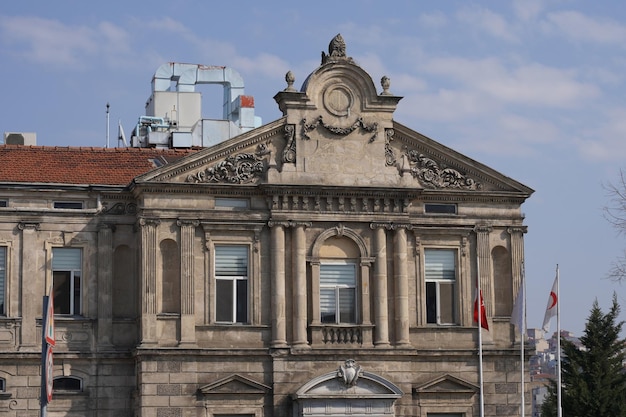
x=340, y=131
x=434, y=175
x=235, y=169
x=289, y=154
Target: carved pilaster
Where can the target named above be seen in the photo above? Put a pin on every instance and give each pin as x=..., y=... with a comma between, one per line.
x=187, y=325
x=483, y=254
x=517, y=255
x=105, y=285
x=381, y=315
x=29, y=337
x=300, y=288
x=279, y=321
x=401, y=286
x=148, y=229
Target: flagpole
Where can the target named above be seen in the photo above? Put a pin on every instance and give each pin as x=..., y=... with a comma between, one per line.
x=558, y=343
x=522, y=332
x=480, y=339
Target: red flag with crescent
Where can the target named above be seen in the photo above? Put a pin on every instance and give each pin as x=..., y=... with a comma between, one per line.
x=483, y=313
x=553, y=300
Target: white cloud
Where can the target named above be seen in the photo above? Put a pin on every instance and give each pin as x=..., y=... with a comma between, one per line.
x=527, y=9
x=48, y=42
x=580, y=27
x=488, y=22
x=528, y=84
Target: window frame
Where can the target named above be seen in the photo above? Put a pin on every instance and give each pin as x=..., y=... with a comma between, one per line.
x=438, y=283
x=235, y=281
x=75, y=274
x=337, y=292
x=4, y=253
x=68, y=205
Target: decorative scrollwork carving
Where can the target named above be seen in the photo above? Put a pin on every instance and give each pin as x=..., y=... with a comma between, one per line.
x=339, y=131
x=434, y=175
x=289, y=154
x=390, y=158
x=336, y=51
x=235, y=169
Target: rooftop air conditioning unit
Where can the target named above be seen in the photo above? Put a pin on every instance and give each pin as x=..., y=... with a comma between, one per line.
x=20, y=138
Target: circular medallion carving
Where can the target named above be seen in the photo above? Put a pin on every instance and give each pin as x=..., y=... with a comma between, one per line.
x=338, y=100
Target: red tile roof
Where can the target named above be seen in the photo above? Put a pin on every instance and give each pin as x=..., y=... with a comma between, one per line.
x=78, y=165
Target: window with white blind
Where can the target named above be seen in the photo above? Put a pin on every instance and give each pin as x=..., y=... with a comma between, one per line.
x=231, y=283
x=3, y=278
x=338, y=293
x=66, y=280
x=440, y=277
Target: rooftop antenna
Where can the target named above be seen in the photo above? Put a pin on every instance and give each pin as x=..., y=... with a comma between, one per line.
x=108, y=123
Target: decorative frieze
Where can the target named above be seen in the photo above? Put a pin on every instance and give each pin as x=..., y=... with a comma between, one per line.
x=241, y=168
x=338, y=204
x=432, y=174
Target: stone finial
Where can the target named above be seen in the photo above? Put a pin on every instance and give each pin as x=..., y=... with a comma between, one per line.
x=336, y=51
x=290, y=78
x=385, y=82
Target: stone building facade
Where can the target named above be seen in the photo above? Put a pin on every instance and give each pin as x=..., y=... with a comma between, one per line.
x=325, y=263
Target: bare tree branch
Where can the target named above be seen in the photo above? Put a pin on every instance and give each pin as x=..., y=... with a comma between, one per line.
x=615, y=214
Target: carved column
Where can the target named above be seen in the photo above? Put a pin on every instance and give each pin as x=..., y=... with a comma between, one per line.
x=483, y=252
x=381, y=309
x=187, y=312
x=105, y=285
x=517, y=256
x=31, y=292
x=148, y=280
x=279, y=323
x=401, y=287
x=299, y=287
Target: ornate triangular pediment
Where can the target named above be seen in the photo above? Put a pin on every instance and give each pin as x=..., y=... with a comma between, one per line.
x=234, y=385
x=446, y=384
x=338, y=131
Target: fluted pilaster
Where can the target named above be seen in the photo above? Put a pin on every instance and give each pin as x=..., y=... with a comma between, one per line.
x=279, y=323
x=187, y=302
x=148, y=280
x=381, y=309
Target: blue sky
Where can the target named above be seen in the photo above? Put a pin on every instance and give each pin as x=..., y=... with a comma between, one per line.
x=536, y=89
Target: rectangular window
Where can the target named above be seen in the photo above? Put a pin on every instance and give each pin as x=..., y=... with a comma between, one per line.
x=438, y=208
x=3, y=279
x=338, y=293
x=74, y=205
x=440, y=277
x=66, y=280
x=231, y=283
x=231, y=203
x=3, y=203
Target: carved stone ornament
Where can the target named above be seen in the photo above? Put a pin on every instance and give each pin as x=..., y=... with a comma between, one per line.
x=434, y=175
x=336, y=51
x=290, y=79
x=339, y=131
x=289, y=153
x=385, y=83
x=235, y=169
x=349, y=372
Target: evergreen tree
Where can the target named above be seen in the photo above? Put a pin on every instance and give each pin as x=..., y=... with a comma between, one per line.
x=593, y=377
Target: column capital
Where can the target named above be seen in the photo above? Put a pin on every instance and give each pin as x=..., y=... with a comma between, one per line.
x=187, y=223
x=483, y=228
x=25, y=225
x=517, y=229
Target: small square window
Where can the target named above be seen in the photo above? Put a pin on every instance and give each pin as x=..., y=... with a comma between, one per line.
x=3, y=203
x=73, y=205
x=439, y=208
x=231, y=203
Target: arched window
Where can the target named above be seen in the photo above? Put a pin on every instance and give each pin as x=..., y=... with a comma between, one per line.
x=67, y=384
x=338, y=281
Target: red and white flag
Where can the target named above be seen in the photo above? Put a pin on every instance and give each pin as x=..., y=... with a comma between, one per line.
x=483, y=313
x=551, y=309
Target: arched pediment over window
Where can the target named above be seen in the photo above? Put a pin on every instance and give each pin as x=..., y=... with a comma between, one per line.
x=348, y=391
